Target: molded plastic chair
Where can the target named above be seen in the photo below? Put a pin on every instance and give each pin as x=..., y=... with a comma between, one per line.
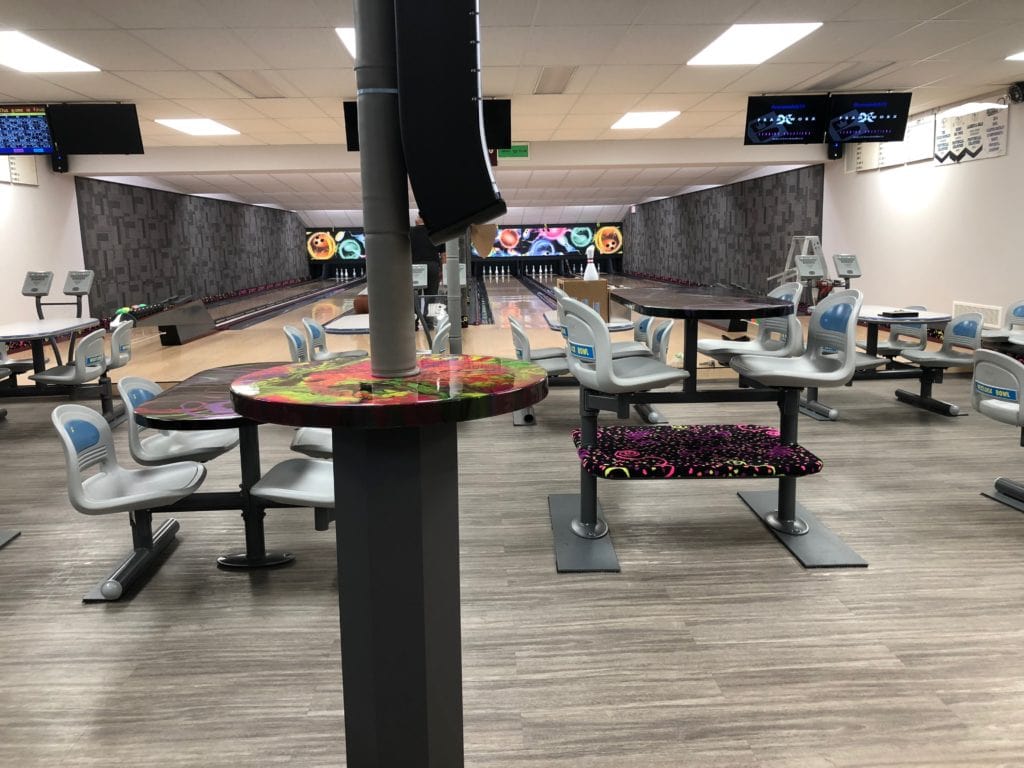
x=120, y=345
x=659, y=340
x=776, y=336
x=15, y=366
x=164, y=446
x=590, y=356
x=1013, y=321
x=960, y=339
x=87, y=443
x=996, y=391
x=317, y=349
x=301, y=483
x=535, y=354
x=298, y=348
x=313, y=441
x=90, y=362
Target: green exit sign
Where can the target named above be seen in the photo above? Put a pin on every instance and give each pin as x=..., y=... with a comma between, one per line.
x=516, y=150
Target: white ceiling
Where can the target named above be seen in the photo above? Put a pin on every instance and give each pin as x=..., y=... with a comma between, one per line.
x=206, y=58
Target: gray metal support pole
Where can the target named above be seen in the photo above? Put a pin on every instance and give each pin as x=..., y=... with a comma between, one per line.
x=453, y=248
x=385, y=193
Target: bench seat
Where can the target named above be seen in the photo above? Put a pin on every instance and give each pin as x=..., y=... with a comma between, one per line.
x=691, y=451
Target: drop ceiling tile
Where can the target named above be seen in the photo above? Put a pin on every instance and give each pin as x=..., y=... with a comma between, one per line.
x=203, y=48
x=284, y=137
x=174, y=85
x=336, y=83
x=505, y=46
x=100, y=86
x=931, y=38
x=665, y=102
x=775, y=78
x=566, y=13
x=776, y=11
x=313, y=124
x=286, y=108
x=132, y=14
x=840, y=40
x=535, y=123
x=32, y=88
x=108, y=49
x=911, y=10
x=722, y=12
x=220, y=109
x=283, y=48
x=986, y=9
x=589, y=104
x=663, y=44
x=688, y=79
x=502, y=13
x=557, y=104
x=33, y=15
x=271, y=14
x=627, y=78
x=577, y=44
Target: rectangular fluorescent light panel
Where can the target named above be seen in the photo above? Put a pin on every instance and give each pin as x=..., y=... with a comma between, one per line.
x=644, y=119
x=752, y=43
x=970, y=108
x=200, y=126
x=1016, y=57
x=19, y=51
x=348, y=39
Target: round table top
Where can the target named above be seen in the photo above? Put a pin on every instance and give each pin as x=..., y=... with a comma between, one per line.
x=698, y=303
x=202, y=401
x=339, y=393
x=872, y=313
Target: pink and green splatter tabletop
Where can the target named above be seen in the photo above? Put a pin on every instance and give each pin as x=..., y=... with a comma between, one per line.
x=340, y=393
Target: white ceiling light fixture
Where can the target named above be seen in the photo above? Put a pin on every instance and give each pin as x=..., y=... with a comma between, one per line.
x=970, y=108
x=1016, y=56
x=348, y=39
x=198, y=126
x=635, y=120
x=751, y=43
x=20, y=52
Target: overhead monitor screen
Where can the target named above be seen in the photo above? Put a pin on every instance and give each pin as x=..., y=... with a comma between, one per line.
x=329, y=244
x=555, y=242
x=24, y=131
x=857, y=117
x=785, y=119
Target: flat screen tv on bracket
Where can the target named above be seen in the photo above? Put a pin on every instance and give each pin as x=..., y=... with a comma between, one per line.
x=95, y=129
x=864, y=117
x=24, y=130
x=786, y=119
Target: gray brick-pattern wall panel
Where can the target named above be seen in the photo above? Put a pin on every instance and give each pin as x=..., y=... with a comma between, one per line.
x=146, y=244
x=735, y=234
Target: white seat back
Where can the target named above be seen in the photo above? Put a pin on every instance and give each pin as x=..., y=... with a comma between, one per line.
x=831, y=334
x=588, y=345
x=963, y=332
x=439, y=345
x=317, y=338
x=135, y=391
x=90, y=357
x=784, y=334
x=87, y=442
x=997, y=387
x=659, y=340
x=120, y=345
x=297, y=346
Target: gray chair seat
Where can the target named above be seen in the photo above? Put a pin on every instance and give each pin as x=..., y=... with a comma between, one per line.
x=1015, y=337
x=902, y=336
x=776, y=336
x=301, y=482
x=1013, y=324
x=629, y=349
x=316, y=442
x=938, y=358
x=553, y=366
x=862, y=361
x=545, y=353
x=995, y=334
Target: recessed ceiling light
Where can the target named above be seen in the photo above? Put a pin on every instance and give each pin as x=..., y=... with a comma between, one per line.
x=1016, y=57
x=752, y=43
x=644, y=119
x=970, y=108
x=21, y=52
x=348, y=39
x=199, y=126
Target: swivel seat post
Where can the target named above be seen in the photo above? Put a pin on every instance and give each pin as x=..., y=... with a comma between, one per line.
x=588, y=525
x=785, y=520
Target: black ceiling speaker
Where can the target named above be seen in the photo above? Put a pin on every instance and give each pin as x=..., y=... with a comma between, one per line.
x=1016, y=92
x=441, y=115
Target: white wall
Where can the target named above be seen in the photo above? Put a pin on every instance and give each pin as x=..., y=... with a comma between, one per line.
x=40, y=232
x=929, y=234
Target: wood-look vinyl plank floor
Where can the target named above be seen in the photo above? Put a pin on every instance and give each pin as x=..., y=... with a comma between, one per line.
x=712, y=647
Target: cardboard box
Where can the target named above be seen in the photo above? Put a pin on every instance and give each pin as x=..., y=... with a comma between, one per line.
x=593, y=293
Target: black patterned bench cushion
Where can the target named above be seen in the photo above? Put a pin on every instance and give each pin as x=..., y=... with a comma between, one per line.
x=694, y=451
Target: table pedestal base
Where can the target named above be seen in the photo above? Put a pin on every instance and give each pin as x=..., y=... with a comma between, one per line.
x=817, y=548
x=241, y=561
x=574, y=553
x=398, y=591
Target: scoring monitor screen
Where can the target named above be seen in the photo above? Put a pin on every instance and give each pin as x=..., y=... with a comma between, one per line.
x=785, y=119
x=868, y=117
x=24, y=131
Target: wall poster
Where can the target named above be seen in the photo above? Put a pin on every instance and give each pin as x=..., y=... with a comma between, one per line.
x=975, y=136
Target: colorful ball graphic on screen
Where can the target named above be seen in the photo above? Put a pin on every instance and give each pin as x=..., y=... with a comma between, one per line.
x=581, y=237
x=321, y=246
x=542, y=248
x=509, y=238
x=553, y=233
x=608, y=240
x=350, y=248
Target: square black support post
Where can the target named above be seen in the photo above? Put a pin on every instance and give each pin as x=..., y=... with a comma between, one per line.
x=398, y=591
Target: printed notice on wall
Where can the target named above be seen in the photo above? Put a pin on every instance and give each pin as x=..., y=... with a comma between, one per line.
x=23, y=170
x=976, y=136
x=5, y=172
